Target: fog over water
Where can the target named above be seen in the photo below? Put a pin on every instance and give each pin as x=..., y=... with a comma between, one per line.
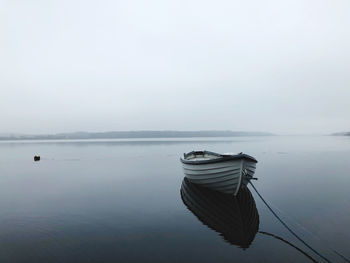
x=277, y=66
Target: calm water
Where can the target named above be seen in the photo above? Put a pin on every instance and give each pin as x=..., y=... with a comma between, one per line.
x=120, y=201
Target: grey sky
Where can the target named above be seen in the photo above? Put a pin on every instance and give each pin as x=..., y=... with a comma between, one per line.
x=279, y=66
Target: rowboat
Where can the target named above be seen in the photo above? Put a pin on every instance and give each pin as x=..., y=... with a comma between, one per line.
x=226, y=173
x=235, y=218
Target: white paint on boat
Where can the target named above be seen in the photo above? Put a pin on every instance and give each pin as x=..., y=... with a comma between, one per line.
x=224, y=173
x=239, y=179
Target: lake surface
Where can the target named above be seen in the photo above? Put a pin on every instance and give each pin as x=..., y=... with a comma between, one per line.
x=120, y=201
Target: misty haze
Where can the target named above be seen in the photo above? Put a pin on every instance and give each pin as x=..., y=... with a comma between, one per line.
x=174, y=131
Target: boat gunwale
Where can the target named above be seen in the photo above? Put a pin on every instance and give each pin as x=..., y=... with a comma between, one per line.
x=222, y=157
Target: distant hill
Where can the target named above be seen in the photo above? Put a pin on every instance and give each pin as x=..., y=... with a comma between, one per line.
x=133, y=134
x=341, y=134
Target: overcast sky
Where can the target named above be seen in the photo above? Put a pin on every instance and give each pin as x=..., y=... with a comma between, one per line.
x=278, y=66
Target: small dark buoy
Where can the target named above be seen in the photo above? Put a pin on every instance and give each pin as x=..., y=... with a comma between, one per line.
x=36, y=158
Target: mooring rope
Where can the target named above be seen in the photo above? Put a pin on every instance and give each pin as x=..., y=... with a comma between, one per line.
x=315, y=236
x=290, y=244
x=340, y=255
x=288, y=228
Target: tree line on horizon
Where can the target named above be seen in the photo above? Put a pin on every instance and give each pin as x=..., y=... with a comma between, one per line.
x=134, y=134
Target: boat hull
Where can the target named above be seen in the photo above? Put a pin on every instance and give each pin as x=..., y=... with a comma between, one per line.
x=226, y=176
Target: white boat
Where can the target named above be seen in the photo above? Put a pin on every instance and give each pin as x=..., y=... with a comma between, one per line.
x=225, y=173
x=235, y=218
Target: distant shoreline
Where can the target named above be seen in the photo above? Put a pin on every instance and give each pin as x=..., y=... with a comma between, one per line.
x=133, y=135
x=341, y=134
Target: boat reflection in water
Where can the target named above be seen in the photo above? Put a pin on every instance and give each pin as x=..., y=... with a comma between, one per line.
x=235, y=218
